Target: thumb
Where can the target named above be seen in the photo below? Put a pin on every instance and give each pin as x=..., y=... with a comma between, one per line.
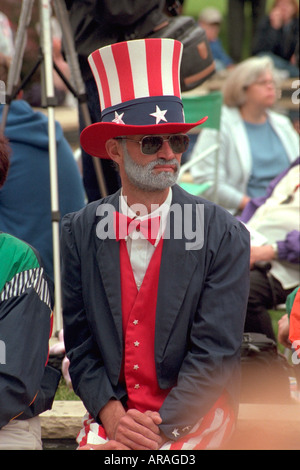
x=155, y=416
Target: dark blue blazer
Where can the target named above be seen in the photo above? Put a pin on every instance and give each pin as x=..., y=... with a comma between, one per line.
x=201, y=305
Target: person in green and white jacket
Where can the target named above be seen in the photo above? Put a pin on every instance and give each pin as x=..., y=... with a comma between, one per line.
x=27, y=383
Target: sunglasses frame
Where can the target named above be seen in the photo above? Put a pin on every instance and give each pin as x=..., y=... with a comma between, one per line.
x=161, y=139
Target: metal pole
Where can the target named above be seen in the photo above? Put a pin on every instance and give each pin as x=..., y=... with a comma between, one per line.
x=72, y=59
x=46, y=46
x=16, y=64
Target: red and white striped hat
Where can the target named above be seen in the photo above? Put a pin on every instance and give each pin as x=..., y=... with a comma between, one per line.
x=139, y=91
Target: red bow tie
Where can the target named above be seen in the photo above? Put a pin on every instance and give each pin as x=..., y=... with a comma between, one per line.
x=124, y=225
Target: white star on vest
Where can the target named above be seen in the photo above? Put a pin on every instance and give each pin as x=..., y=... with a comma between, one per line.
x=118, y=118
x=159, y=114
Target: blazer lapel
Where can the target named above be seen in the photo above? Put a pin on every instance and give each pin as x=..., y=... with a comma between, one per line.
x=177, y=262
x=108, y=260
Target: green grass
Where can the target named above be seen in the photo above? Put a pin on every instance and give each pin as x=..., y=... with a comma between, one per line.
x=275, y=316
x=64, y=392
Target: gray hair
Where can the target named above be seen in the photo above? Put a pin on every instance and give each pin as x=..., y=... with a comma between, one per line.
x=242, y=76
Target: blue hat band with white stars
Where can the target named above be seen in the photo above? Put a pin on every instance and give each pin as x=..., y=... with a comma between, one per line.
x=146, y=111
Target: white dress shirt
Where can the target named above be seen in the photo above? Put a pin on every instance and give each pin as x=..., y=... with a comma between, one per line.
x=140, y=250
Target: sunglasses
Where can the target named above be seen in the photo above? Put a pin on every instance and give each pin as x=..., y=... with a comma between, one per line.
x=151, y=144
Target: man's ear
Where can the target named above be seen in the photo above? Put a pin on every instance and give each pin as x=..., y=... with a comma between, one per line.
x=114, y=150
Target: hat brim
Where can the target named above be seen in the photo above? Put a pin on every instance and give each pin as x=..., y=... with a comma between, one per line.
x=94, y=137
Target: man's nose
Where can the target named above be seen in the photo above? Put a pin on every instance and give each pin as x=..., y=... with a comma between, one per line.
x=165, y=151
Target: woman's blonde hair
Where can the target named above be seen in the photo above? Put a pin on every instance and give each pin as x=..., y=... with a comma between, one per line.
x=242, y=76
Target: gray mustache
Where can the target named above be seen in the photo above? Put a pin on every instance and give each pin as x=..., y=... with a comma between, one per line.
x=162, y=162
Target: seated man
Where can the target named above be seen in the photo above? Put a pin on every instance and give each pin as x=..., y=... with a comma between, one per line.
x=27, y=386
x=210, y=19
x=153, y=307
x=273, y=222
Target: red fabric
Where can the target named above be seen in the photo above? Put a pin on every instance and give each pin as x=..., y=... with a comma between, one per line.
x=175, y=68
x=294, y=333
x=213, y=430
x=153, y=56
x=105, y=85
x=124, y=225
x=123, y=66
x=139, y=312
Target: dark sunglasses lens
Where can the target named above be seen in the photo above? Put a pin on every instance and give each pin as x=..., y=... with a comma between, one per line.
x=179, y=143
x=151, y=144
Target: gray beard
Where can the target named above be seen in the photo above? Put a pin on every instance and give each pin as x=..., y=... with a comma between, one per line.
x=144, y=178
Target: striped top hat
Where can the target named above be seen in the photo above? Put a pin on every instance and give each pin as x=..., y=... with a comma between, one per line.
x=139, y=91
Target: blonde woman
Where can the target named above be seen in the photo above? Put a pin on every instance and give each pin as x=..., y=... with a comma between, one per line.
x=256, y=143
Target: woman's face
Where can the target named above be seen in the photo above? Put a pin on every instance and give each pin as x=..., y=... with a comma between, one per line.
x=263, y=91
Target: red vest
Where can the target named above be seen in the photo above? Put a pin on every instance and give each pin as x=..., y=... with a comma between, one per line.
x=138, y=315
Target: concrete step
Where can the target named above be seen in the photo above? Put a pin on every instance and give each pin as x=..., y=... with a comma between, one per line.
x=259, y=427
x=63, y=421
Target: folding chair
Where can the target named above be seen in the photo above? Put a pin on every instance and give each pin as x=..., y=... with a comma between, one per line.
x=195, y=107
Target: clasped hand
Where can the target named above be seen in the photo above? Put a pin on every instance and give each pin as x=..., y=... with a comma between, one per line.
x=134, y=430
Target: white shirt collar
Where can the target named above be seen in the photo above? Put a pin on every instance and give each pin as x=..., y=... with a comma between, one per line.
x=161, y=211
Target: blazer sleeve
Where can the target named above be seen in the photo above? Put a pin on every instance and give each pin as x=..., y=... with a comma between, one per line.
x=289, y=248
x=87, y=371
x=212, y=361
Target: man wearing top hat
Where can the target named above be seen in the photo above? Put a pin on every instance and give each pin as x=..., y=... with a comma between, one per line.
x=155, y=280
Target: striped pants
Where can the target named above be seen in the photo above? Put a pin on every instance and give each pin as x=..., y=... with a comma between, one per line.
x=210, y=433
